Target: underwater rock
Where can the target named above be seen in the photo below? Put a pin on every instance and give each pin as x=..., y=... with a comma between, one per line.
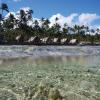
x=54, y=94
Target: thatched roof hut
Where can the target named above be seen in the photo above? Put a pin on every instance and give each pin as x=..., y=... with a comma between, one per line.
x=50, y=41
x=31, y=39
x=18, y=38
x=44, y=40
x=73, y=41
x=64, y=40
x=56, y=40
x=34, y=40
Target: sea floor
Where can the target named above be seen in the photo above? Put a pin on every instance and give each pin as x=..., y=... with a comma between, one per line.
x=49, y=73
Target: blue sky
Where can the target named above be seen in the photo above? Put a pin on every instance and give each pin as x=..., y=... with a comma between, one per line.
x=47, y=8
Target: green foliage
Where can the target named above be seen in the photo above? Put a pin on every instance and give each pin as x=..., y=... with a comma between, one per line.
x=11, y=27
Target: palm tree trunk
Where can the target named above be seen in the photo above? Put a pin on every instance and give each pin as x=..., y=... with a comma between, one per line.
x=2, y=12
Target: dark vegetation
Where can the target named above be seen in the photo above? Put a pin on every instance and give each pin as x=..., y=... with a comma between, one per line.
x=17, y=31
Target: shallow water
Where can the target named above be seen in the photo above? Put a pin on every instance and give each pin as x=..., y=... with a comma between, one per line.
x=74, y=71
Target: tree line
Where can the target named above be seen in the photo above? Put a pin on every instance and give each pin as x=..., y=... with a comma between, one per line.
x=12, y=27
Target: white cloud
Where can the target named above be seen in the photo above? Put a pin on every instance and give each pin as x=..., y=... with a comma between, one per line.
x=26, y=9
x=87, y=18
x=74, y=18
x=98, y=26
x=71, y=19
x=62, y=19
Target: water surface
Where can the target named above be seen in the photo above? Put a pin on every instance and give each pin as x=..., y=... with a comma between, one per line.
x=74, y=71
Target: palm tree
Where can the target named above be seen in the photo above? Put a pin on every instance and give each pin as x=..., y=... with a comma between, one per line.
x=56, y=19
x=30, y=12
x=9, y=22
x=36, y=27
x=12, y=18
x=98, y=30
x=23, y=19
x=0, y=22
x=4, y=7
x=77, y=29
x=65, y=30
x=57, y=28
x=42, y=21
x=0, y=17
x=45, y=25
x=36, y=23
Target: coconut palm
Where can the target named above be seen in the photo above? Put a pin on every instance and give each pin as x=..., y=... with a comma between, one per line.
x=45, y=25
x=0, y=17
x=36, y=23
x=30, y=12
x=23, y=19
x=65, y=30
x=56, y=19
x=9, y=22
x=42, y=22
x=4, y=7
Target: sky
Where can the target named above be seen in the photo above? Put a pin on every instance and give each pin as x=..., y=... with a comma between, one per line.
x=72, y=11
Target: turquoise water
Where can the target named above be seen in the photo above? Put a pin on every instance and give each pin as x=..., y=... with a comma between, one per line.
x=74, y=71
